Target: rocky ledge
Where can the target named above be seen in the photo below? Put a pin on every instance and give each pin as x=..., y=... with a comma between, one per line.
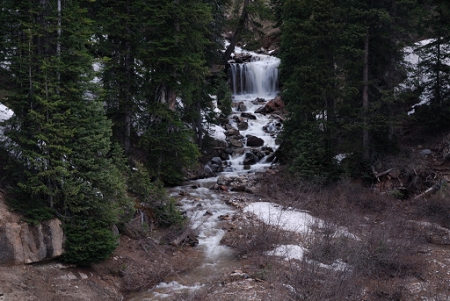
x=24, y=243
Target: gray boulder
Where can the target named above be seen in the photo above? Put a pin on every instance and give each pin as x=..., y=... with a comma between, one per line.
x=254, y=141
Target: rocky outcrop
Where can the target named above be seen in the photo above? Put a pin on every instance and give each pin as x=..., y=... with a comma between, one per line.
x=23, y=243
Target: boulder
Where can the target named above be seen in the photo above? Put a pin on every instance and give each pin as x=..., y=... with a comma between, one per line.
x=259, y=100
x=232, y=132
x=23, y=243
x=236, y=143
x=207, y=169
x=432, y=232
x=248, y=116
x=216, y=160
x=242, y=126
x=250, y=159
x=215, y=167
x=261, y=110
x=242, y=107
x=274, y=105
x=254, y=141
x=425, y=152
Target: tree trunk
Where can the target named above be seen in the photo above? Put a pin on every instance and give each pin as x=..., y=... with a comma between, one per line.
x=127, y=112
x=237, y=32
x=365, y=104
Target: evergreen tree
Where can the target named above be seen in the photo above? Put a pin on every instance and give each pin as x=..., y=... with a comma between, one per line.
x=311, y=85
x=340, y=67
x=59, y=135
x=434, y=68
x=246, y=22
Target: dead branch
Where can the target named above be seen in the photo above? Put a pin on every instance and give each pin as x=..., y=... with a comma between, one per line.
x=378, y=175
x=430, y=190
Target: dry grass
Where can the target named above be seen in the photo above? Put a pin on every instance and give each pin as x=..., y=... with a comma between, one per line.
x=379, y=262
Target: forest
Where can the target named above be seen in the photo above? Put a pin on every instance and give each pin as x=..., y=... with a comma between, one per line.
x=112, y=100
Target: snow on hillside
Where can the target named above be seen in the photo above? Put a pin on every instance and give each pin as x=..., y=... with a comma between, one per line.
x=416, y=76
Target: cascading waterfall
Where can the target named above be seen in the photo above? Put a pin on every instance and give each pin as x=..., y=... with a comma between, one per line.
x=257, y=78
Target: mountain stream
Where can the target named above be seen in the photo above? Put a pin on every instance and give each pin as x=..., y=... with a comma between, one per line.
x=254, y=82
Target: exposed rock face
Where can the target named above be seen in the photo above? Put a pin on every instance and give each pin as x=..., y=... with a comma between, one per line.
x=23, y=243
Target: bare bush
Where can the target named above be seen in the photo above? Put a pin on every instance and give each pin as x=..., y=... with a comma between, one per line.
x=435, y=208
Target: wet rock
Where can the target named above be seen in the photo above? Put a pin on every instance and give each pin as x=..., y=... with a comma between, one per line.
x=248, y=116
x=247, y=167
x=228, y=151
x=216, y=160
x=223, y=188
x=254, y=141
x=225, y=217
x=278, y=140
x=208, y=170
x=242, y=126
x=214, y=187
x=228, y=127
x=232, y=132
x=222, y=180
x=250, y=159
x=258, y=100
x=242, y=107
x=207, y=212
x=236, y=143
x=261, y=110
x=183, y=193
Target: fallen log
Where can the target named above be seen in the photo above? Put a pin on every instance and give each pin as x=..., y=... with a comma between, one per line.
x=431, y=190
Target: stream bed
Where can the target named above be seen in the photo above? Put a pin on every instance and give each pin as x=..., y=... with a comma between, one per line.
x=254, y=83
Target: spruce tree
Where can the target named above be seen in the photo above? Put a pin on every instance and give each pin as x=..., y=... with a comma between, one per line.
x=59, y=135
x=434, y=68
x=311, y=87
x=339, y=72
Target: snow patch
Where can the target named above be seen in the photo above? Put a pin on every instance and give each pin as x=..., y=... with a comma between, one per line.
x=288, y=252
x=289, y=220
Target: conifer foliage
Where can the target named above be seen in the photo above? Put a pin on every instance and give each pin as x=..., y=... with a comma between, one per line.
x=340, y=69
x=59, y=136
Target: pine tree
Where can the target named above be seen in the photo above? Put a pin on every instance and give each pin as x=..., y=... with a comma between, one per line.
x=311, y=87
x=59, y=136
x=434, y=68
x=339, y=70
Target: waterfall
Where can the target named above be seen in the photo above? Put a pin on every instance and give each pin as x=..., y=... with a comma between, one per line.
x=259, y=77
x=205, y=207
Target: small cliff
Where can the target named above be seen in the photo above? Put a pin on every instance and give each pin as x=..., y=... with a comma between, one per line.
x=23, y=243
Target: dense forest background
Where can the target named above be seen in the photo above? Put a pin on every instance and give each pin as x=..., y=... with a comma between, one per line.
x=112, y=99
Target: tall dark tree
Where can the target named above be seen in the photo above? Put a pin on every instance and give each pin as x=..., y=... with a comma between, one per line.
x=340, y=67
x=434, y=67
x=59, y=135
x=310, y=52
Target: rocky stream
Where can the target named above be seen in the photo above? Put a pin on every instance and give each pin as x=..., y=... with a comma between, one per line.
x=250, y=134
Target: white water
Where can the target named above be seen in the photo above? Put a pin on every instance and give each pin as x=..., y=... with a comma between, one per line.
x=251, y=80
x=257, y=78
x=204, y=206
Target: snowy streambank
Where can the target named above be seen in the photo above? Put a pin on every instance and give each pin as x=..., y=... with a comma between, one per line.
x=296, y=221
x=5, y=113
